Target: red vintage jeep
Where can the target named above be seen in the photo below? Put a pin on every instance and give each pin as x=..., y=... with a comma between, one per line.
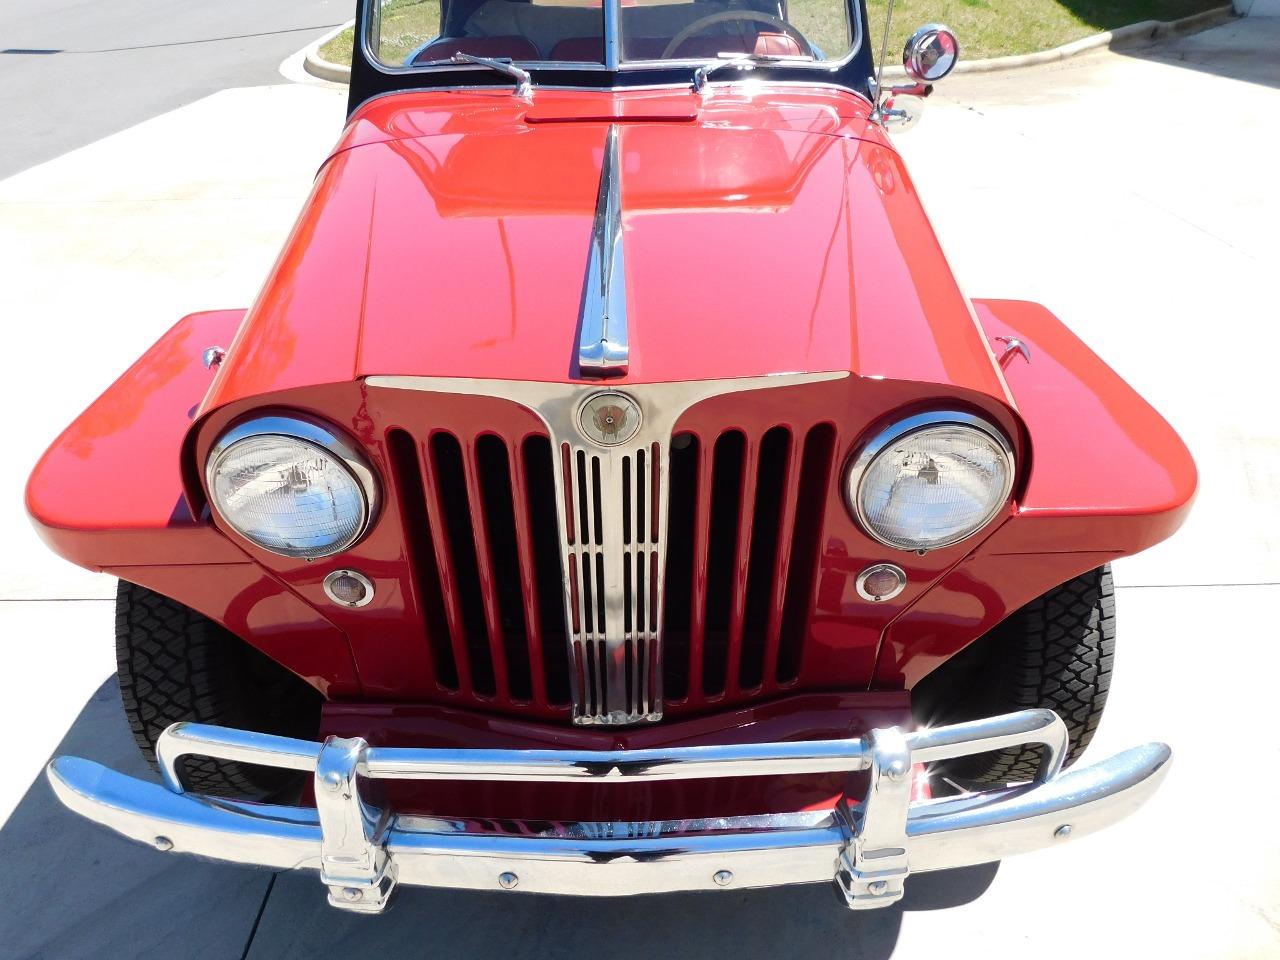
x=612, y=492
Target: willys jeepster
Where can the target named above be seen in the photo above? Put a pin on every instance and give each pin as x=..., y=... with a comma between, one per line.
x=612, y=492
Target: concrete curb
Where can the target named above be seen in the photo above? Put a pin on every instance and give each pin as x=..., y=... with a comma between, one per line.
x=317, y=66
x=1121, y=36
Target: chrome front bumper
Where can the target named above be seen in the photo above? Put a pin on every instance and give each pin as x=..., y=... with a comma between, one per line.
x=867, y=844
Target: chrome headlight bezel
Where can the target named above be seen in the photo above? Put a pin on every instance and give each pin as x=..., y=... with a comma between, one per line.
x=309, y=432
x=860, y=464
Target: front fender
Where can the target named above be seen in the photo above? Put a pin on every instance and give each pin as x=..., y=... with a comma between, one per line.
x=1107, y=472
x=109, y=495
x=1108, y=477
x=109, y=491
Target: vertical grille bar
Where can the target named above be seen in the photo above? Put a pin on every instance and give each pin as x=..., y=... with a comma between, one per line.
x=448, y=572
x=698, y=576
x=815, y=481
x=676, y=616
x=782, y=563
x=741, y=562
x=725, y=509
x=635, y=467
x=768, y=532
x=420, y=542
x=460, y=504
x=531, y=590
x=500, y=555
x=487, y=576
x=549, y=641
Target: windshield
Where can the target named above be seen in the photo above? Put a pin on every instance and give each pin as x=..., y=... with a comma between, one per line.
x=409, y=33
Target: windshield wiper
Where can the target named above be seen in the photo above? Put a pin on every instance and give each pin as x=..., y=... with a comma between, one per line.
x=524, y=82
x=748, y=60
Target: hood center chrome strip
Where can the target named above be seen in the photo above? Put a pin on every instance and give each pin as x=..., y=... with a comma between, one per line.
x=603, y=343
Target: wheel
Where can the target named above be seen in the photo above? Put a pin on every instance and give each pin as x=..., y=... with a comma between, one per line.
x=175, y=664
x=1056, y=652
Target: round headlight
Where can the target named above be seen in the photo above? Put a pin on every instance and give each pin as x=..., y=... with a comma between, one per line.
x=291, y=486
x=930, y=481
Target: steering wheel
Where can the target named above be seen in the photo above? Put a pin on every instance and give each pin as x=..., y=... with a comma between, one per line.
x=726, y=16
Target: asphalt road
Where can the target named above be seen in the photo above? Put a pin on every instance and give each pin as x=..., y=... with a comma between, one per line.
x=72, y=71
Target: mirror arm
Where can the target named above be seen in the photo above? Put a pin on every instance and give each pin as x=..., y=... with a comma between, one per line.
x=920, y=90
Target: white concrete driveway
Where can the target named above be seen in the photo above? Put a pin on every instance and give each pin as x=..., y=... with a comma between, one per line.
x=1134, y=194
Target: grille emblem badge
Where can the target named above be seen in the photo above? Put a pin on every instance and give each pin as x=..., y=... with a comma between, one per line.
x=609, y=418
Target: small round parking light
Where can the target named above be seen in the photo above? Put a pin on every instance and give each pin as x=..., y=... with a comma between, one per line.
x=348, y=588
x=881, y=582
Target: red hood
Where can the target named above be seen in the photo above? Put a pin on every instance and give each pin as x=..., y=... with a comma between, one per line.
x=770, y=232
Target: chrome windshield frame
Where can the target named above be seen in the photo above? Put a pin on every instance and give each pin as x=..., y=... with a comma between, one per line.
x=635, y=72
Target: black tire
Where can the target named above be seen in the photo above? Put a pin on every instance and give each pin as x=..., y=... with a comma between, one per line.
x=1056, y=652
x=175, y=664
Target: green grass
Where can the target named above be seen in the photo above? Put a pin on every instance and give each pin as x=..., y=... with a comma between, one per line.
x=986, y=28
x=406, y=24
x=998, y=28
x=823, y=23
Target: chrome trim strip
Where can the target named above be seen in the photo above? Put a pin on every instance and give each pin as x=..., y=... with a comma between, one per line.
x=370, y=37
x=606, y=553
x=618, y=766
x=638, y=88
x=612, y=34
x=868, y=844
x=603, y=342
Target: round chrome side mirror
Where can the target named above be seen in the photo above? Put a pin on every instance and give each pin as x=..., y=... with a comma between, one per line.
x=931, y=53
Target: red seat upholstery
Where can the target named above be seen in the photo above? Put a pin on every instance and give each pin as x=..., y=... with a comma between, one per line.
x=778, y=45
x=765, y=44
x=514, y=48
x=591, y=49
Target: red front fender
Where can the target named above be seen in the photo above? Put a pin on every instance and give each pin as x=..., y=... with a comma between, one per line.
x=1109, y=477
x=108, y=495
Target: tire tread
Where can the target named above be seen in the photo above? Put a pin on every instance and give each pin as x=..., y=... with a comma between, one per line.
x=174, y=664
x=1057, y=652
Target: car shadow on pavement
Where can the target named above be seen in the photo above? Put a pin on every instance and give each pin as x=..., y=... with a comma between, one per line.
x=76, y=890
x=785, y=922
x=72, y=889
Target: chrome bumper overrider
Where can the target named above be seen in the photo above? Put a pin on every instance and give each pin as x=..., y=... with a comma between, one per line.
x=867, y=844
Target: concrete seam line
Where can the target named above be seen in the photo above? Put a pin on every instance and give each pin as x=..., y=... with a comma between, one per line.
x=1147, y=29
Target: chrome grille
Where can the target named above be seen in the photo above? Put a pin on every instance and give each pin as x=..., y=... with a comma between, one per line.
x=611, y=505
x=612, y=538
